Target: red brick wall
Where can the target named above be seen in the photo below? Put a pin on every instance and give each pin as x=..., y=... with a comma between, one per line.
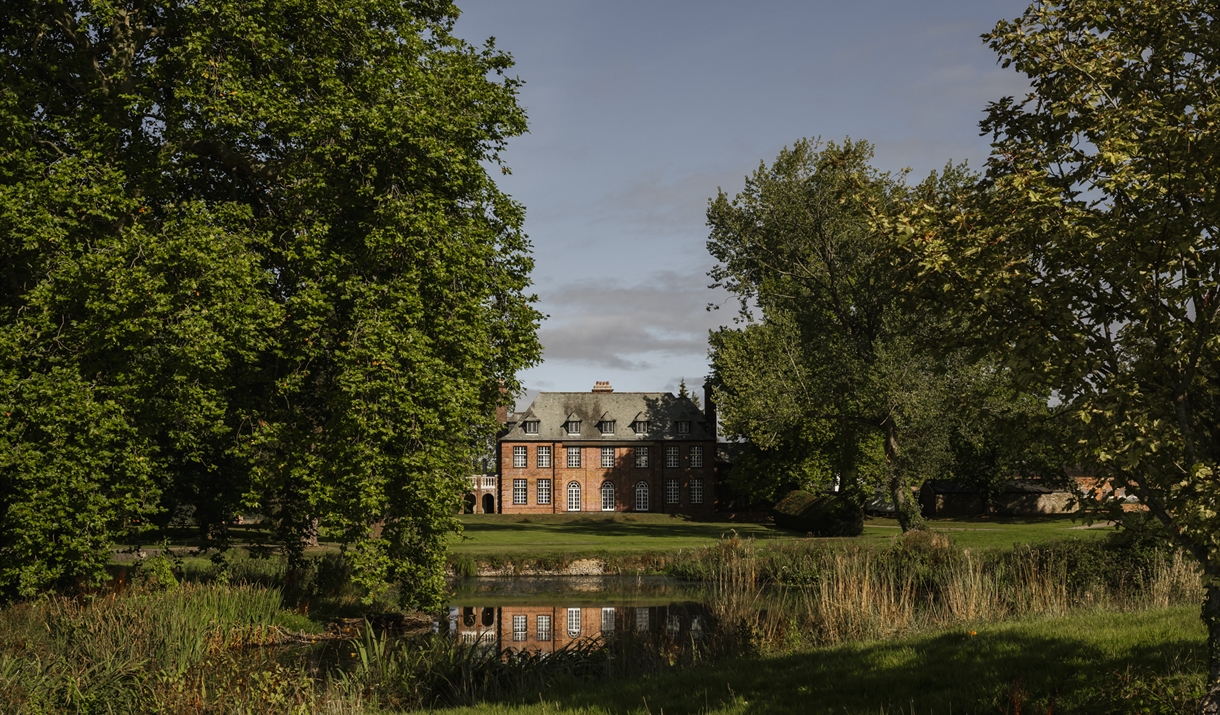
x=590, y=475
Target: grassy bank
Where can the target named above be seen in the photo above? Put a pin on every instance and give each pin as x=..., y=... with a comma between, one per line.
x=1093, y=662
x=648, y=542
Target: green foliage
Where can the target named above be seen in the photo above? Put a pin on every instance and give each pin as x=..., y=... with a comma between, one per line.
x=252, y=260
x=829, y=363
x=819, y=514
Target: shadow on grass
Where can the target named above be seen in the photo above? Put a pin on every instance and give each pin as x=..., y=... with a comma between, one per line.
x=1026, y=667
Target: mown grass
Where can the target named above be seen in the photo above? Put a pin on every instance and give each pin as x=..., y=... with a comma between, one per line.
x=1092, y=662
x=627, y=543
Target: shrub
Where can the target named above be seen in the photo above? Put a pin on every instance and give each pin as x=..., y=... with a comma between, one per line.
x=819, y=514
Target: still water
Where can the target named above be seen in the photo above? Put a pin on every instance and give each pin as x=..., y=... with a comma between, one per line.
x=546, y=614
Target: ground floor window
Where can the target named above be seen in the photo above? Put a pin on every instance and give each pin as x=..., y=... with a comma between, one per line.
x=641, y=496
x=544, y=491
x=574, y=496
x=544, y=628
x=696, y=491
x=573, y=622
x=607, y=620
x=520, y=491
x=607, y=496
x=674, y=626
x=641, y=619
x=671, y=491
x=520, y=628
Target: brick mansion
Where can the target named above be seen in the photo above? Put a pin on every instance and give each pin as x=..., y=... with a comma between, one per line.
x=603, y=451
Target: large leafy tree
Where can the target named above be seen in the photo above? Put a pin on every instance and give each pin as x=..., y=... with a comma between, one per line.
x=252, y=260
x=1089, y=255
x=827, y=373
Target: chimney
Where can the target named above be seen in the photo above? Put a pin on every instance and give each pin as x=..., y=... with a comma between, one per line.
x=502, y=410
x=709, y=407
x=602, y=386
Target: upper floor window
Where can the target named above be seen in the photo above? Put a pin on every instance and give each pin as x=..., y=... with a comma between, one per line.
x=671, y=457
x=521, y=457
x=573, y=457
x=520, y=627
x=544, y=456
x=641, y=457
x=696, y=456
x=572, y=426
x=607, y=457
x=606, y=426
x=530, y=426
x=683, y=427
x=641, y=426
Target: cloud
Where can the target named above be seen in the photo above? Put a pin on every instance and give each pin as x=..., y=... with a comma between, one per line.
x=608, y=324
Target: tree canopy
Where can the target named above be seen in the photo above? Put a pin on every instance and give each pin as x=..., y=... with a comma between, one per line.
x=253, y=261
x=1088, y=255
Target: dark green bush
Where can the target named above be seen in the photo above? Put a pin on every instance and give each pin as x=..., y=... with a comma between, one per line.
x=819, y=514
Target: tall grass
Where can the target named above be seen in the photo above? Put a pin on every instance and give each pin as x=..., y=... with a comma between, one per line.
x=794, y=594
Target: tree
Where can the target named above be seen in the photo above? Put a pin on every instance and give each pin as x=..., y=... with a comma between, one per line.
x=1089, y=254
x=253, y=261
x=828, y=368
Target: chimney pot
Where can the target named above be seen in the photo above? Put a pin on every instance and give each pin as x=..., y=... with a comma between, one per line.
x=602, y=386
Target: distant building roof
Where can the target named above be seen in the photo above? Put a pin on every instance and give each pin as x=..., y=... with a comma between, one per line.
x=660, y=410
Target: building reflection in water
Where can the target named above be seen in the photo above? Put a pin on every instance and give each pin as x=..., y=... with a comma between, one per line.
x=549, y=628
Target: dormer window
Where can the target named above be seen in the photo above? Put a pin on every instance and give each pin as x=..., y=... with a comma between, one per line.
x=572, y=426
x=641, y=426
x=530, y=426
x=606, y=426
x=683, y=427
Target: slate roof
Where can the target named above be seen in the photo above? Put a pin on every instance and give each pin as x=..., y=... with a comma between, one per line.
x=660, y=409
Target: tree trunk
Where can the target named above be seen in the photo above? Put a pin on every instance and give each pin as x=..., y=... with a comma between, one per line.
x=1210, y=704
x=905, y=507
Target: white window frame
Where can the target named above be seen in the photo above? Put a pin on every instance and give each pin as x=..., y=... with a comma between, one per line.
x=521, y=491
x=607, y=457
x=696, y=457
x=521, y=628
x=530, y=427
x=674, y=626
x=683, y=427
x=642, y=497
x=641, y=619
x=673, y=457
x=542, y=625
x=543, y=490
x=574, y=496
x=574, y=623
x=606, y=426
x=641, y=426
x=641, y=457
x=672, y=493
x=607, y=620
x=608, y=501
x=573, y=458
x=696, y=491
x=544, y=456
x=521, y=457
x=572, y=426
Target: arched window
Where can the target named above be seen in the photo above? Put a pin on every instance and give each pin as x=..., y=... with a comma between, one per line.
x=607, y=496
x=641, y=496
x=574, y=496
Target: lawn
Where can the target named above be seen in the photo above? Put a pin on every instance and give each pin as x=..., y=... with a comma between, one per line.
x=1097, y=662
x=518, y=535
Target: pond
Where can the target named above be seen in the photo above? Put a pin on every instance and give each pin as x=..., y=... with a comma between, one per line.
x=547, y=614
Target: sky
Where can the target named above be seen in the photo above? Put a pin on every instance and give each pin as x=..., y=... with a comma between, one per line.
x=640, y=112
